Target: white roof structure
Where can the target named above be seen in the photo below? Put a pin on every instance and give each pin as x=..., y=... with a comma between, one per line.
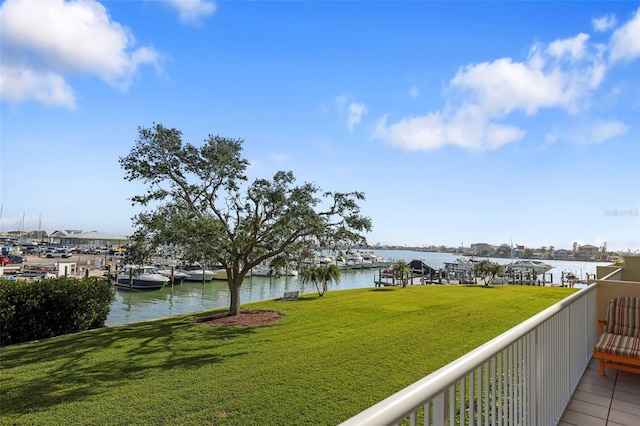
x=94, y=238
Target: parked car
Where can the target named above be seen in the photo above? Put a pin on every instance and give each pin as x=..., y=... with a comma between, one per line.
x=50, y=253
x=33, y=250
x=14, y=258
x=4, y=260
x=116, y=256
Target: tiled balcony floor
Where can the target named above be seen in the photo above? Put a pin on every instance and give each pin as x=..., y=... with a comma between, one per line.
x=612, y=400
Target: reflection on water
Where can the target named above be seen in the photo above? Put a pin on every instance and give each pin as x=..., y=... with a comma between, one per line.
x=138, y=306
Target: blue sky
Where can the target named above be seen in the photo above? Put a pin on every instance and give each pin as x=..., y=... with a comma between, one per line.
x=463, y=122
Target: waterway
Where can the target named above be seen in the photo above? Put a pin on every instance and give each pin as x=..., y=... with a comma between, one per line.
x=131, y=307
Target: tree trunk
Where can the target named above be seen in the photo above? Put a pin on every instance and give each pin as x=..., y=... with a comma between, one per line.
x=234, y=306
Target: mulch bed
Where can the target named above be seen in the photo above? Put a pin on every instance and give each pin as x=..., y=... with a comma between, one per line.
x=245, y=319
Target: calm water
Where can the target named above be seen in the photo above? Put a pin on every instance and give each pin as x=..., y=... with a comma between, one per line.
x=130, y=307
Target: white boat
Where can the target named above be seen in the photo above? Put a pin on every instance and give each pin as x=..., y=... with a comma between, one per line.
x=141, y=278
x=261, y=271
x=528, y=265
x=460, y=266
x=221, y=274
x=288, y=272
x=355, y=257
x=178, y=276
x=198, y=273
x=371, y=257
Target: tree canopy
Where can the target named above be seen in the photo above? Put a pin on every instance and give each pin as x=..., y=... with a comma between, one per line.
x=199, y=199
x=321, y=276
x=488, y=270
x=402, y=271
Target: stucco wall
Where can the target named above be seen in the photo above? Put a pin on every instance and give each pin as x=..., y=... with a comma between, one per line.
x=607, y=290
x=631, y=268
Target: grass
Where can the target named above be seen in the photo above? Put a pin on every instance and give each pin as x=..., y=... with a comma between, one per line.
x=326, y=360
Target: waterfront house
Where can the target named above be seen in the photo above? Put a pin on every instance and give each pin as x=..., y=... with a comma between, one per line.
x=482, y=249
x=563, y=254
x=588, y=252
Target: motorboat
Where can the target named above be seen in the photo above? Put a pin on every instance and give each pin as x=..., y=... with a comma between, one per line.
x=387, y=273
x=141, y=278
x=261, y=271
x=266, y=271
x=178, y=276
x=198, y=273
x=371, y=257
x=528, y=265
x=461, y=266
x=221, y=274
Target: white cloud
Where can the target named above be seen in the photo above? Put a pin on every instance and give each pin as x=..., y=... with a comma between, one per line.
x=353, y=110
x=193, y=11
x=573, y=48
x=604, y=23
x=481, y=96
x=414, y=92
x=625, y=41
x=603, y=131
x=356, y=111
x=435, y=130
x=18, y=84
x=44, y=41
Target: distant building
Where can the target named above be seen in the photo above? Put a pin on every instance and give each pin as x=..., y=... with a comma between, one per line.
x=562, y=254
x=482, y=249
x=93, y=239
x=588, y=252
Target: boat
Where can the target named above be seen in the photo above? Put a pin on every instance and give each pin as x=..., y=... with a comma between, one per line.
x=288, y=272
x=528, y=265
x=387, y=273
x=371, y=257
x=261, y=271
x=460, y=267
x=141, y=278
x=266, y=271
x=355, y=257
x=198, y=273
x=221, y=274
x=178, y=276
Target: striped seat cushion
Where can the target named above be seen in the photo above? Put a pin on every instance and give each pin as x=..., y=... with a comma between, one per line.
x=619, y=345
x=623, y=316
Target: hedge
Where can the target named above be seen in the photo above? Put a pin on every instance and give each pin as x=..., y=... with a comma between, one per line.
x=33, y=310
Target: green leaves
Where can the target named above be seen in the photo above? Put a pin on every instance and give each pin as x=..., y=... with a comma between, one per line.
x=204, y=206
x=51, y=307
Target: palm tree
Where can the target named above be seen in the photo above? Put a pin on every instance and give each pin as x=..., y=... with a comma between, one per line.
x=488, y=270
x=401, y=271
x=321, y=276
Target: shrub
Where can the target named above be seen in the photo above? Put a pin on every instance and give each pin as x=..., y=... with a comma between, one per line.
x=32, y=310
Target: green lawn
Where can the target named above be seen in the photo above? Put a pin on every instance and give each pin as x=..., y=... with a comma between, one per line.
x=326, y=360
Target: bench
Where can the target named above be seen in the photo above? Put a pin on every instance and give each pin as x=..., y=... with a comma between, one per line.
x=619, y=344
x=290, y=295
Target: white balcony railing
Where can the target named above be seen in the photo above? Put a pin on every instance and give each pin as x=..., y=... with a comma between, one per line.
x=525, y=376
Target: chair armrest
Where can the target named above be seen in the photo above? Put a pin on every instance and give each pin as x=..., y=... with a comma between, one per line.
x=601, y=324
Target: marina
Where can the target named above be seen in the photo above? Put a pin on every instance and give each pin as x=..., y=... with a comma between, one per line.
x=188, y=297
x=188, y=292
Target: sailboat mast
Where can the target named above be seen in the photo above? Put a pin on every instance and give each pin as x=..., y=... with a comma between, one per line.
x=21, y=227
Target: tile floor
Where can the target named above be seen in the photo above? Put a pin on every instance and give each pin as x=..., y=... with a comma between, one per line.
x=611, y=400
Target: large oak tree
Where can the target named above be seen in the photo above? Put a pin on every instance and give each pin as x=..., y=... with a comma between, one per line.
x=198, y=198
